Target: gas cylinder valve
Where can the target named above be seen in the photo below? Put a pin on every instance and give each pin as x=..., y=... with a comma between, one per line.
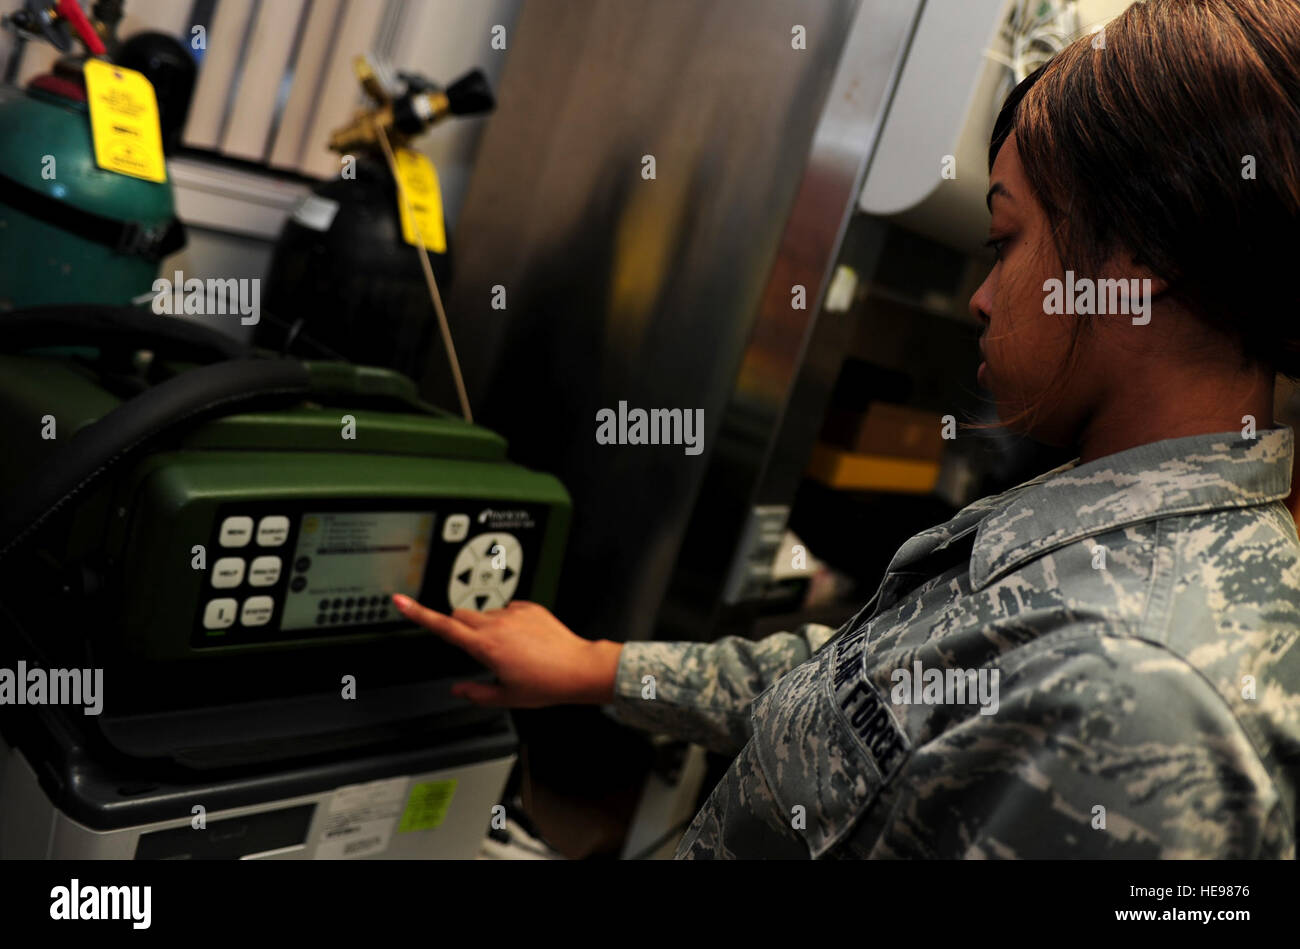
x=411, y=111
x=50, y=21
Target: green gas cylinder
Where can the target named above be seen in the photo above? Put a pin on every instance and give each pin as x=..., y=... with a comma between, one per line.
x=71, y=232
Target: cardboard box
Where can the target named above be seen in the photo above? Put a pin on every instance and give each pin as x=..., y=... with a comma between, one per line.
x=853, y=471
x=884, y=429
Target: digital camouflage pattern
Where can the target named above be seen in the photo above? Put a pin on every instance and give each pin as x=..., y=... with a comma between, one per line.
x=1142, y=612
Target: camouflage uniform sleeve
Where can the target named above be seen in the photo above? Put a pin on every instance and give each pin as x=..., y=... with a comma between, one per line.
x=1101, y=747
x=702, y=691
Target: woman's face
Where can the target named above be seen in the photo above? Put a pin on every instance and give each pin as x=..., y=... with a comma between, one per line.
x=1025, y=349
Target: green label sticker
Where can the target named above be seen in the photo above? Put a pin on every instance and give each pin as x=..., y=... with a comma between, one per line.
x=427, y=805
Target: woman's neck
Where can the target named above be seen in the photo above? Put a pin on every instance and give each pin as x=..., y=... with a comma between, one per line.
x=1174, y=404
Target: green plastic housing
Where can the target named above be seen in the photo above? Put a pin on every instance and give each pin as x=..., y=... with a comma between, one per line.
x=139, y=529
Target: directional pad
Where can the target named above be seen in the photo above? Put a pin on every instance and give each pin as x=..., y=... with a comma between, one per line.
x=486, y=572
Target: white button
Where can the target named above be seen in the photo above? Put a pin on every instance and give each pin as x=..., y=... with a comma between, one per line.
x=481, y=600
x=273, y=531
x=219, y=614
x=487, y=565
x=236, y=531
x=228, y=572
x=455, y=528
x=257, y=611
x=264, y=571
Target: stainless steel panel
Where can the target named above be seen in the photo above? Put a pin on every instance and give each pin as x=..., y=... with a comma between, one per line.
x=669, y=293
x=791, y=362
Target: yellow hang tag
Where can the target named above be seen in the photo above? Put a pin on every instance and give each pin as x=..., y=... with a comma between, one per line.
x=124, y=121
x=417, y=179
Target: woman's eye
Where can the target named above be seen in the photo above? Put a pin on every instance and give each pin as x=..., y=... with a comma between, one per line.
x=995, y=244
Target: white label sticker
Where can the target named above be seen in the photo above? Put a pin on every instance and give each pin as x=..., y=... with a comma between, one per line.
x=316, y=212
x=361, y=819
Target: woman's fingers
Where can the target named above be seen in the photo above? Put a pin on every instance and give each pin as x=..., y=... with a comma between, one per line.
x=537, y=660
x=449, y=628
x=471, y=618
x=480, y=693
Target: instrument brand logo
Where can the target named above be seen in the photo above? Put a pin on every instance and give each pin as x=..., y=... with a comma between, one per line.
x=515, y=518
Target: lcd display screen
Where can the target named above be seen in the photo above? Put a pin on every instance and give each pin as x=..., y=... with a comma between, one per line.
x=347, y=566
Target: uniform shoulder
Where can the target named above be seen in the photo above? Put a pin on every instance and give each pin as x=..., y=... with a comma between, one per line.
x=1108, y=718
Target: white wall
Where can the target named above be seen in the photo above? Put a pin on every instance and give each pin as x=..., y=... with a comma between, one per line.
x=233, y=237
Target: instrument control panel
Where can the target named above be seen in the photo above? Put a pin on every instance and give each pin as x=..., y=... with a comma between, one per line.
x=302, y=569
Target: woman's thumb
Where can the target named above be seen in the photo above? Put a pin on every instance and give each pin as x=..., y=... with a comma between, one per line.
x=480, y=693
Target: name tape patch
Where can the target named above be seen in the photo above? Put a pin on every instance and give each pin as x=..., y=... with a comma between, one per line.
x=862, y=707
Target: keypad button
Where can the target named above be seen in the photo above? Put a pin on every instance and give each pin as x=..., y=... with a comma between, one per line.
x=257, y=611
x=219, y=614
x=264, y=571
x=272, y=531
x=455, y=528
x=236, y=531
x=228, y=572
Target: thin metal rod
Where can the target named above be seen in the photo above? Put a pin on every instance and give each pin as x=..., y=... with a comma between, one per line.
x=429, y=279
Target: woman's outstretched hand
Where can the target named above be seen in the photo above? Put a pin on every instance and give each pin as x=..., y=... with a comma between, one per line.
x=537, y=660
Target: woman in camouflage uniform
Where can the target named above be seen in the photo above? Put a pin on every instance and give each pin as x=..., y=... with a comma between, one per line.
x=1103, y=661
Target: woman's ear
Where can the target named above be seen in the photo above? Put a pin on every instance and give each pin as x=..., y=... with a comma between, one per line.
x=1137, y=269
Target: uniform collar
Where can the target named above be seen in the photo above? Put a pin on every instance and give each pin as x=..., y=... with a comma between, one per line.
x=1159, y=479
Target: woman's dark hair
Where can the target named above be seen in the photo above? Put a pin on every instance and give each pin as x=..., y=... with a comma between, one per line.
x=1175, y=136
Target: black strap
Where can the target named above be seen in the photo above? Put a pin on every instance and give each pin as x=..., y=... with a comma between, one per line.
x=124, y=237
x=171, y=407
x=121, y=327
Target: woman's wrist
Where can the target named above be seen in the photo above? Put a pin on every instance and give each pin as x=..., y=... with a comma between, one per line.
x=599, y=688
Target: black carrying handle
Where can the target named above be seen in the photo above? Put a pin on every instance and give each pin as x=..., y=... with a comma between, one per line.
x=90, y=324
x=165, y=409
